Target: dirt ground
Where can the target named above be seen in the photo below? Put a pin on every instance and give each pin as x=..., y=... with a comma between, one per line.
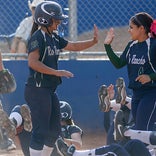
x=90, y=140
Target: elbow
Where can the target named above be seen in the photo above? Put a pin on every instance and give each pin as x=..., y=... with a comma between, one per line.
x=117, y=66
x=30, y=64
x=78, y=145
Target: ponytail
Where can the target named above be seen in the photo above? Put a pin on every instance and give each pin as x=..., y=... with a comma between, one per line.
x=34, y=28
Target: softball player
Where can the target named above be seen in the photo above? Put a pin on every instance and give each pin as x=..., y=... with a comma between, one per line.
x=71, y=133
x=139, y=56
x=131, y=148
x=44, y=47
x=19, y=119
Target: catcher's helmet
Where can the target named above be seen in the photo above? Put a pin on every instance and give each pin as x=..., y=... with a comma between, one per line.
x=46, y=11
x=66, y=110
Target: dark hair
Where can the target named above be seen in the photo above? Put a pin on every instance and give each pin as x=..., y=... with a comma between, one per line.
x=142, y=19
x=34, y=28
x=69, y=122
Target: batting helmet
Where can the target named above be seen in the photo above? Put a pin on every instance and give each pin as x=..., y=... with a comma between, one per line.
x=46, y=11
x=66, y=110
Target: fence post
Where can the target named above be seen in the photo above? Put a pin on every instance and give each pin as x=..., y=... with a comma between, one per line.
x=72, y=19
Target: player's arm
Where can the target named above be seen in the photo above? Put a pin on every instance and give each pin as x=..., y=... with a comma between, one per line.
x=75, y=140
x=82, y=45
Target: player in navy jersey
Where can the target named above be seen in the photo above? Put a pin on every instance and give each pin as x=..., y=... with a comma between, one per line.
x=44, y=47
x=71, y=133
x=140, y=58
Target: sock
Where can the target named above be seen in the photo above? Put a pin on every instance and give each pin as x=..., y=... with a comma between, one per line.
x=16, y=116
x=115, y=107
x=46, y=150
x=35, y=152
x=128, y=99
x=84, y=153
x=144, y=136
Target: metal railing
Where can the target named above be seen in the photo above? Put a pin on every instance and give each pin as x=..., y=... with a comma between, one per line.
x=63, y=56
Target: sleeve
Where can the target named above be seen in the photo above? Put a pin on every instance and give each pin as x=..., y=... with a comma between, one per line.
x=116, y=60
x=35, y=42
x=62, y=42
x=153, y=76
x=75, y=129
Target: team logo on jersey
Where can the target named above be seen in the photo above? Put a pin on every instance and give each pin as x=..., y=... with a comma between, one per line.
x=135, y=60
x=52, y=52
x=34, y=44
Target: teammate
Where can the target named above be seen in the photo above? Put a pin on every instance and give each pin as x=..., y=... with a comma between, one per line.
x=19, y=124
x=7, y=85
x=123, y=130
x=139, y=56
x=71, y=133
x=106, y=96
x=132, y=148
x=19, y=43
x=44, y=47
x=5, y=142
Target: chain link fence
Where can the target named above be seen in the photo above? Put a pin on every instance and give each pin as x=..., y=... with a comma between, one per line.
x=83, y=14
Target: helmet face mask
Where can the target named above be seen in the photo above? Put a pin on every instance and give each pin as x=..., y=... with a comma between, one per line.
x=46, y=11
x=66, y=111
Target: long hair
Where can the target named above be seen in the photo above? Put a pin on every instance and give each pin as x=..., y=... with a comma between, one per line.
x=69, y=122
x=34, y=28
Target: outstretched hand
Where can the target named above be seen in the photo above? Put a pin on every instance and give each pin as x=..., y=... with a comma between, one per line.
x=95, y=34
x=110, y=36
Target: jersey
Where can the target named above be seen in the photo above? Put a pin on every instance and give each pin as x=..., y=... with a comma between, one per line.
x=49, y=48
x=141, y=59
x=68, y=130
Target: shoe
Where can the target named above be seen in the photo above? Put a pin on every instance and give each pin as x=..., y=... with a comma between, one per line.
x=126, y=114
x=104, y=101
x=119, y=126
x=121, y=91
x=7, y=124
x=8, y=145
x=25, y=112
x=11, y=145
x=63, y=149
